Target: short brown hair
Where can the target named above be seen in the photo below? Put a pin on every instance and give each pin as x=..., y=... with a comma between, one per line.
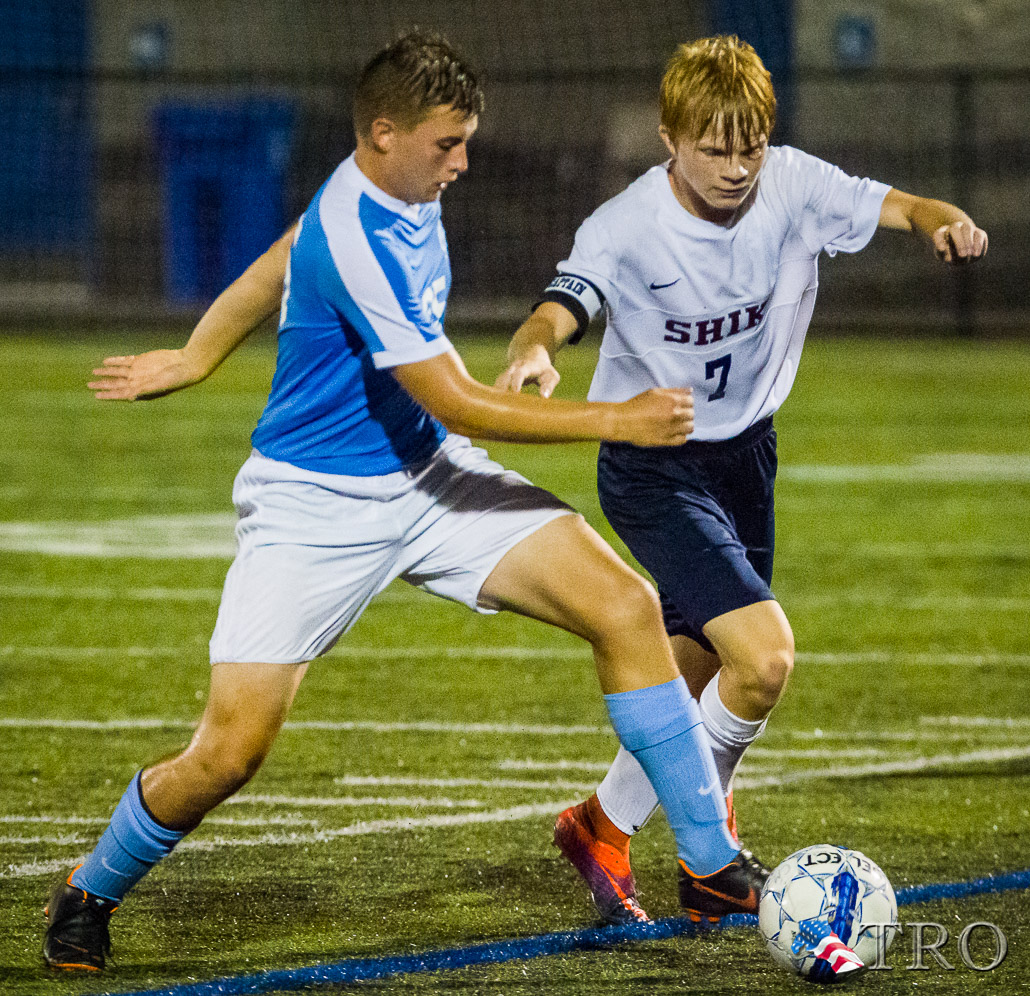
x=404, y=82
x=721, y=81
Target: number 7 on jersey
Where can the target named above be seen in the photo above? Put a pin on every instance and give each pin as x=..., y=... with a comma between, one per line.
x=722, y=367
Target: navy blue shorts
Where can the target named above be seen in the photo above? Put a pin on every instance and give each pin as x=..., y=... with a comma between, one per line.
x=699, y=518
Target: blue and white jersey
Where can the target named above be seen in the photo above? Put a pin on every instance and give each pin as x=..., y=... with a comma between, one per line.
x=721, y=310
x=366, y=289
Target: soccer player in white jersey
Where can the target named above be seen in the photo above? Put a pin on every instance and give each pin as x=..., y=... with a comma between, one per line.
x=354, y=481
x=706, y=269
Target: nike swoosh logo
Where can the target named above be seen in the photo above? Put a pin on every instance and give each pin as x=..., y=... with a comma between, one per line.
x=113, y=871
x=709, y=789
x=669, y=284
x=747, y=902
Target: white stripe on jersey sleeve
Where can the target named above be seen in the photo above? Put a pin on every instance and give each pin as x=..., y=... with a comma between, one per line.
x=367, y=284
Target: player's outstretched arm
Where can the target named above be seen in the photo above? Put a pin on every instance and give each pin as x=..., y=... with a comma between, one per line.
x=954, y=235
x=442, y=385
x=532, y=349
x=235, y=313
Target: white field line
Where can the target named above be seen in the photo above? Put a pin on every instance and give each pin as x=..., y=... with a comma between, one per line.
x=194, y=549
x=915, y=550
x=558, y=785
x=55, y=593
x=107, y=549
x=943, y=602
x=351, y=801
x=36, y=869
x=772, y=753
x=937, y=762
x=106, y=491
x=918, y=659
x=989, y=722
x=527, y=764
x=210, y=535
x=813, y=753
x=395, y=595
x=867, y=657
x=341, y=726
x=65, y=840
x=491, y=729
x=344, y=652
x=40, y=868
x=403, y=594
x=892, y=736
x=228, y=821
x=938, y=468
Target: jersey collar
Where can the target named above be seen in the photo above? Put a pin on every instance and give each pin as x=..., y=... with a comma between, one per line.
x=352, y=173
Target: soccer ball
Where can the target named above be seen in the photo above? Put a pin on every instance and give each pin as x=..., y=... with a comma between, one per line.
x=819, y=892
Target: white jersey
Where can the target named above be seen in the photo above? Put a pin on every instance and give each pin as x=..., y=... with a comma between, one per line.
x=721, y=310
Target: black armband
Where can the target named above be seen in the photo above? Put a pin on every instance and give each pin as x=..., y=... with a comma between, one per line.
x=577, y=295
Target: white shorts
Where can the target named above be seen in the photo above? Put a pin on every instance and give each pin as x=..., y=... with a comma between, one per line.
x=315, y=548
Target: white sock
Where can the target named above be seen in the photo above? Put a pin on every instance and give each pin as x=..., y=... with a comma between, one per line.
x=625, y=793
x=730, y=735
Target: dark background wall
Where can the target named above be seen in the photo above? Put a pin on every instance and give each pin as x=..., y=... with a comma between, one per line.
x=930, y=95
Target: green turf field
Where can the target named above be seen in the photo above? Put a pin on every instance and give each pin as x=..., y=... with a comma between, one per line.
x=903, y=563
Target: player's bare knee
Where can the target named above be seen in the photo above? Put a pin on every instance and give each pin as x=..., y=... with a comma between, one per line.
x=775, y=672
x=629, y=611
x=768, y=675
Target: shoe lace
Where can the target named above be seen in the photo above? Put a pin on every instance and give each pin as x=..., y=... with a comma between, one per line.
x=635, y=910
x=752, y=862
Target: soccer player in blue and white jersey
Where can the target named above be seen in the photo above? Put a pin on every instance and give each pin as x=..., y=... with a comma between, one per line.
x=359, y=475
x=706, y=269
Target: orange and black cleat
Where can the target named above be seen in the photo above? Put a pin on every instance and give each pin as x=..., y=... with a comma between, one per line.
x=606, y=869
x=711, y=897
x=77, y=937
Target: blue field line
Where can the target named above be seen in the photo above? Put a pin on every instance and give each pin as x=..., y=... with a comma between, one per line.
x=498, y=952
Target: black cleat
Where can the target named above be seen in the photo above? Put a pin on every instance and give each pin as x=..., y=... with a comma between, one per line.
x=711, y=897
x=77, y=938
x=757, y=872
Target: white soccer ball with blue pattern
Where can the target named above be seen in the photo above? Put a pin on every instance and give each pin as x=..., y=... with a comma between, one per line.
x=818, y=895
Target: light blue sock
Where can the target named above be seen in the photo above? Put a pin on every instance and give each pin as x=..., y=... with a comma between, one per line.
x=131, y=845
x=661, y=727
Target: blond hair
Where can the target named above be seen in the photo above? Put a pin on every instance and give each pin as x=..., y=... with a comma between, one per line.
x=720, y=82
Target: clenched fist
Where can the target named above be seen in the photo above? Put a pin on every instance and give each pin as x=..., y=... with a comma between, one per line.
x=663, y=416
x=960, y=242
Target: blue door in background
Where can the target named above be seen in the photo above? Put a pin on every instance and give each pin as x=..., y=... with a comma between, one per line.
x=46, y=157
